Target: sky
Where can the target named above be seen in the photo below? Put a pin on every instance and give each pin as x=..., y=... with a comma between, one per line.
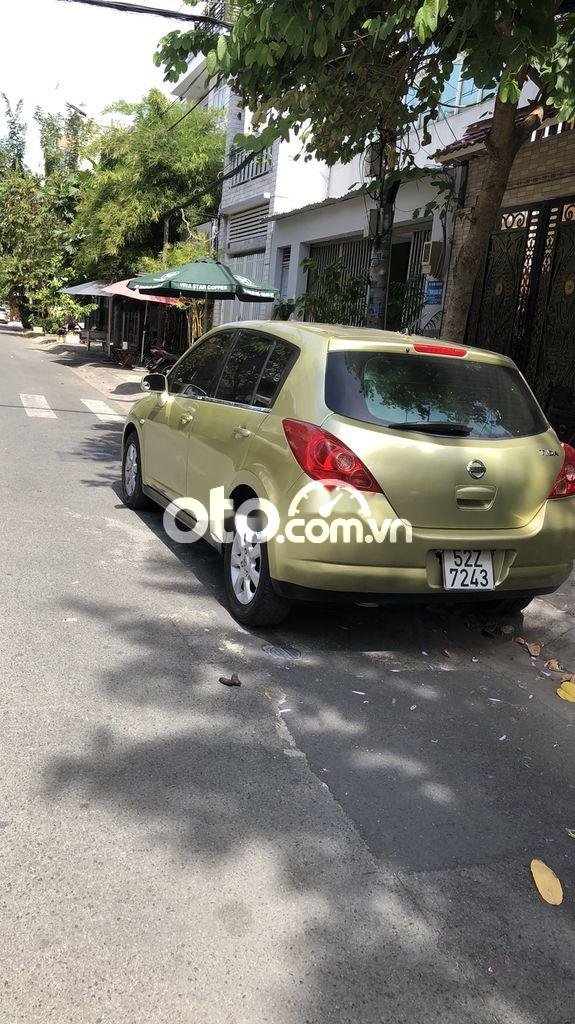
x=54, y=51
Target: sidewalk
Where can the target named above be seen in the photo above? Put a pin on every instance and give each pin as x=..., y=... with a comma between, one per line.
x=116, y=383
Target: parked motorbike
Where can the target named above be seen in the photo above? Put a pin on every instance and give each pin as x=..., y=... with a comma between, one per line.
x=161, y=360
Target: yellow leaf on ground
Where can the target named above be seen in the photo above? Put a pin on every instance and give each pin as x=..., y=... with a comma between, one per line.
x=549, y=886
x=567, y=692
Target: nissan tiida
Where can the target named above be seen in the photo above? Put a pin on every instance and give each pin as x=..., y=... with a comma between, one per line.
x=367, y=466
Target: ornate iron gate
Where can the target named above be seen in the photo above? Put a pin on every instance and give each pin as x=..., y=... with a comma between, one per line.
x=527, y=307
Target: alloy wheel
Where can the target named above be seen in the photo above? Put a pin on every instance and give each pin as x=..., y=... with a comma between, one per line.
x=131, y=469
x=245, y=567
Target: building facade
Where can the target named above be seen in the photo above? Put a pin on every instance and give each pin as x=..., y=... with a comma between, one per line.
x=278, y=210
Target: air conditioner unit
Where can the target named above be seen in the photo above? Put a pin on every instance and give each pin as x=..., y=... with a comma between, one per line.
x=432, y=258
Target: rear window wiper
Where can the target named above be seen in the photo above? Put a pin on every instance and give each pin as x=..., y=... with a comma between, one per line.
x=435, y=427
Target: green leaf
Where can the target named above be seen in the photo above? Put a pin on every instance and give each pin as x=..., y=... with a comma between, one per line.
x=426, y=19
x=222, y=48
x=211, y=63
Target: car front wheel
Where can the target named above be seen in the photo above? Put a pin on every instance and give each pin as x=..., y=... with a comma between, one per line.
x=249, y=589
x=132, y=491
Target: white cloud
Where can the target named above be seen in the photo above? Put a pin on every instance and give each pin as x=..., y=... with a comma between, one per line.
x=53, y=52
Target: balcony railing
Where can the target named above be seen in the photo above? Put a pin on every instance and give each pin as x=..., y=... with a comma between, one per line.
x=259, y=164
x=222, y=10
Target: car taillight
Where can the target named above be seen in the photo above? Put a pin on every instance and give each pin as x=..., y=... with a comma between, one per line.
x=323, y=457
x=439, y=350
x=564, y=485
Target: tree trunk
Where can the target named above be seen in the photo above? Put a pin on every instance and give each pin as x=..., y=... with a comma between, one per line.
x=380, y=260
x=503, y=142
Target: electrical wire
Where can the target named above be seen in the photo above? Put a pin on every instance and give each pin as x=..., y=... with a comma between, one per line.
x=159, y=12
x=191, y=110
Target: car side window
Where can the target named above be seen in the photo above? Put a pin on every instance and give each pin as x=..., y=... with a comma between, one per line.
x=244, y=367
x=280, y=361
x=197, y=373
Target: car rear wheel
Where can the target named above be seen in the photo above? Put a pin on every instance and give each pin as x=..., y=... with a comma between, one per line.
x=132, y=492
x=249, y=589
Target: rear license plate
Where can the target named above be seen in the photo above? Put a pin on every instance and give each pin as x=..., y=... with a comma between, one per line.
x=468, y=570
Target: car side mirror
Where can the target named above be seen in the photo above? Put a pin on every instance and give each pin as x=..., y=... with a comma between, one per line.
x=154, y=382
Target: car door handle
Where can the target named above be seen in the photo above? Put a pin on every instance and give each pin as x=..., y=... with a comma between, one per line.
x=242, y=432
x=186, y=418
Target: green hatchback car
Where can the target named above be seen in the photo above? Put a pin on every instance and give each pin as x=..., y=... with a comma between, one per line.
x=339, y=463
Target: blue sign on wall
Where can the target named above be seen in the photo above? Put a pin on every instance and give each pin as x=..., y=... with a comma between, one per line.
x=434, y=293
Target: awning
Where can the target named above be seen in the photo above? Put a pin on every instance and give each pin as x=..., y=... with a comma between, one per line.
x=94, y=288
x=121, y=288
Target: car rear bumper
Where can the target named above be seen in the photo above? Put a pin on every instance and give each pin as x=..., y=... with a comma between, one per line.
x=534, y=559
x=293, y=592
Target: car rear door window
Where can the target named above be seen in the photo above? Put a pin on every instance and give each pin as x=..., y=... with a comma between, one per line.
x=489, y=400
x=244, y=367
x=198, y=372
x=279, y=363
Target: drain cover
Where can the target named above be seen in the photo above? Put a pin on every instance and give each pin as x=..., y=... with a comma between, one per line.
x=282, y=652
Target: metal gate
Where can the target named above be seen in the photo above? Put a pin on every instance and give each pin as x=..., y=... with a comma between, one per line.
x=527, y=308
x=355, y=255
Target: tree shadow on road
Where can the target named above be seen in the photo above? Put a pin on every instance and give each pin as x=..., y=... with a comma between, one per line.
x=395, y=917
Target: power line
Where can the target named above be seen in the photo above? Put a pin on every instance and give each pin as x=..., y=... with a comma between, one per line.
x=159, y=12
x=191, y=110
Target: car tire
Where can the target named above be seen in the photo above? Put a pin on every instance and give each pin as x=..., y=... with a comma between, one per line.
x=132, y=490
x=251, y=597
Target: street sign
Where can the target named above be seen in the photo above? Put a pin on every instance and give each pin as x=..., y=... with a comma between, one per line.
x=434, y=293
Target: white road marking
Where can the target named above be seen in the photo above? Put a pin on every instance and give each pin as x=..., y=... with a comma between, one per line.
x=36, y=405
x=102, y=411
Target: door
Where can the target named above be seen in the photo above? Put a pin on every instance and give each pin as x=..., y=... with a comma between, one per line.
x=225, y=425
x=170, y=424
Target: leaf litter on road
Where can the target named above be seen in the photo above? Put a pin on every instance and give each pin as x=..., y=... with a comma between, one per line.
x=567, y=691
x=534, y=649
x=554, y=666
x=548, y=885
x=234, y=680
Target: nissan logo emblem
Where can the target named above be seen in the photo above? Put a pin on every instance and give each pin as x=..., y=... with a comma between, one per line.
x=476, y=469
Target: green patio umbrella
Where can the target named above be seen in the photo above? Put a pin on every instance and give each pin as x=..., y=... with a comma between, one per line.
x=204, y=279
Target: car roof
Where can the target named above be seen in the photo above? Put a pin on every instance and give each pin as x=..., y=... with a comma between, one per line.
x=338, y=337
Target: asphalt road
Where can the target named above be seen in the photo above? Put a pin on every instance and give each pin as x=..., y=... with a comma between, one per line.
x=345, y=838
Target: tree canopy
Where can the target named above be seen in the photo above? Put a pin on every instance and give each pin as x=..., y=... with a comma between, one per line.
x=98, y=209
x=342, y=72
x=148, y=161
x=13, y=146
x=345, y=73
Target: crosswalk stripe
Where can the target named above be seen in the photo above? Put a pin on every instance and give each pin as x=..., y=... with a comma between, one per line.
x=37, y=405
x=102, y=411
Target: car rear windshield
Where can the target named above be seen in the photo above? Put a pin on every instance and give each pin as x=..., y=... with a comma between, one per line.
x=487, y=400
